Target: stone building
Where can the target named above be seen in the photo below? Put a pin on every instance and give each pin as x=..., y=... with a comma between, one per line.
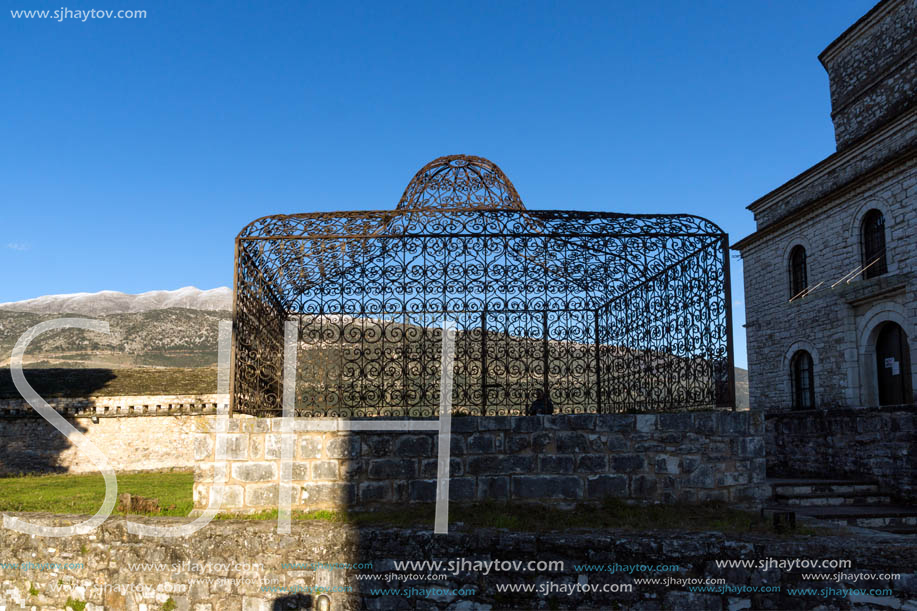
x=831, y=270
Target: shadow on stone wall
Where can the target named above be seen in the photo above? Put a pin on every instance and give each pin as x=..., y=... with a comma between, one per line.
x=295, y=601
x=29, y=445
x=58, y=382
x=874, y=444
x=557, y=460
x=28, y=442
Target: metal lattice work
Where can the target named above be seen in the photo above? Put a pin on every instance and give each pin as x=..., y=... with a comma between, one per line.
x=600, y=312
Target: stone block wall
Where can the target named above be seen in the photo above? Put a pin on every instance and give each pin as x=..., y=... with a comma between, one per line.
x=560, y=459
x=245, y=565
x=833, y=321
x=876, y=444
x=136, y=433
x=123, y=405
x=873, y=70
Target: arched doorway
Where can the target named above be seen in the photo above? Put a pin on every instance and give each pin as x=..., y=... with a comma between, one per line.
x=893, y=365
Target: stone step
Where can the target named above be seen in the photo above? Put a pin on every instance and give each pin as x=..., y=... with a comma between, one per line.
x=841, y=502
x=833, y=490
x=811, y=488
x=818, y=500
x=901, y=530
x=864, y=516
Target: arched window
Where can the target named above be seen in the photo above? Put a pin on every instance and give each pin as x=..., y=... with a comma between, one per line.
x=803, y=381
x=873, y=234
x=798, y=276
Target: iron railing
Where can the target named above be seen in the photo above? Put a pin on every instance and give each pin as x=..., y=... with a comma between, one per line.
x=602, y=312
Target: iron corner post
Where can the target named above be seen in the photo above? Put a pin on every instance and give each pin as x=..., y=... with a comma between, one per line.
x=730, y=348
x=233, y=351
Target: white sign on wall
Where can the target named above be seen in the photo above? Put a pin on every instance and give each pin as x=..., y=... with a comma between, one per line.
x=891, y=363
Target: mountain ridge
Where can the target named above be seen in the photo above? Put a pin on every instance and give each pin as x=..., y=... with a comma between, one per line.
x=115, y=302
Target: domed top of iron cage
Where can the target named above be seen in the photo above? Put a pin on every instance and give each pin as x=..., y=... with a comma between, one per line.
x=597, y=311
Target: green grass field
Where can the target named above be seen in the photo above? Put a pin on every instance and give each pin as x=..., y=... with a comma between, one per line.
x=610, y=514
x=83, y=494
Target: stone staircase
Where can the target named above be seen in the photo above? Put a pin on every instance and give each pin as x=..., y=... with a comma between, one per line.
x=842, y=502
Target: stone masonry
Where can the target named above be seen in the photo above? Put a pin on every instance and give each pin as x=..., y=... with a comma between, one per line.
x=560, y=459
x=834, y=322
x=247, y=565
x=871, y=68
x=875, y=444
x=136, y=433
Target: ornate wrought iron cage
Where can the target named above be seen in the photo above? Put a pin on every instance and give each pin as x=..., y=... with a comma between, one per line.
x=599, y=312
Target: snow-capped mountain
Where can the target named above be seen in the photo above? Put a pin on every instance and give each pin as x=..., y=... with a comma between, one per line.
x=113, y=302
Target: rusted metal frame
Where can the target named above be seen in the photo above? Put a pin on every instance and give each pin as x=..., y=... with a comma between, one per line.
x=278, y=302
x=554, y=235
x=730, y=348
x=660, y=272
x=643, y=356
x=495, y=190
x=241, y=318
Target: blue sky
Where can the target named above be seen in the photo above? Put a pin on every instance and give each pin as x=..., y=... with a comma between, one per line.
x=134, y=150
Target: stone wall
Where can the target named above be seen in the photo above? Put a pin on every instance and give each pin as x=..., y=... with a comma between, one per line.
x=136, y=433
x=874, y=106
x=561, y=458
x=873, y=70
x=127, y=405
x=835, y=320
x=877, y=444
x=240, y=565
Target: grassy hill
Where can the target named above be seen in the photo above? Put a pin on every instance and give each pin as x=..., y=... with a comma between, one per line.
x=174, y=337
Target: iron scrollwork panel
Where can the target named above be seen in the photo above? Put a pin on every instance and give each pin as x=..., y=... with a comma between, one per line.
x=664, y=344
x=603, y=311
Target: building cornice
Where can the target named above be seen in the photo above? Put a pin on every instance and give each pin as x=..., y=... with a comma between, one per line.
x=904, y=57
x=833, y=162
x=859, y=27
x=906, y=155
